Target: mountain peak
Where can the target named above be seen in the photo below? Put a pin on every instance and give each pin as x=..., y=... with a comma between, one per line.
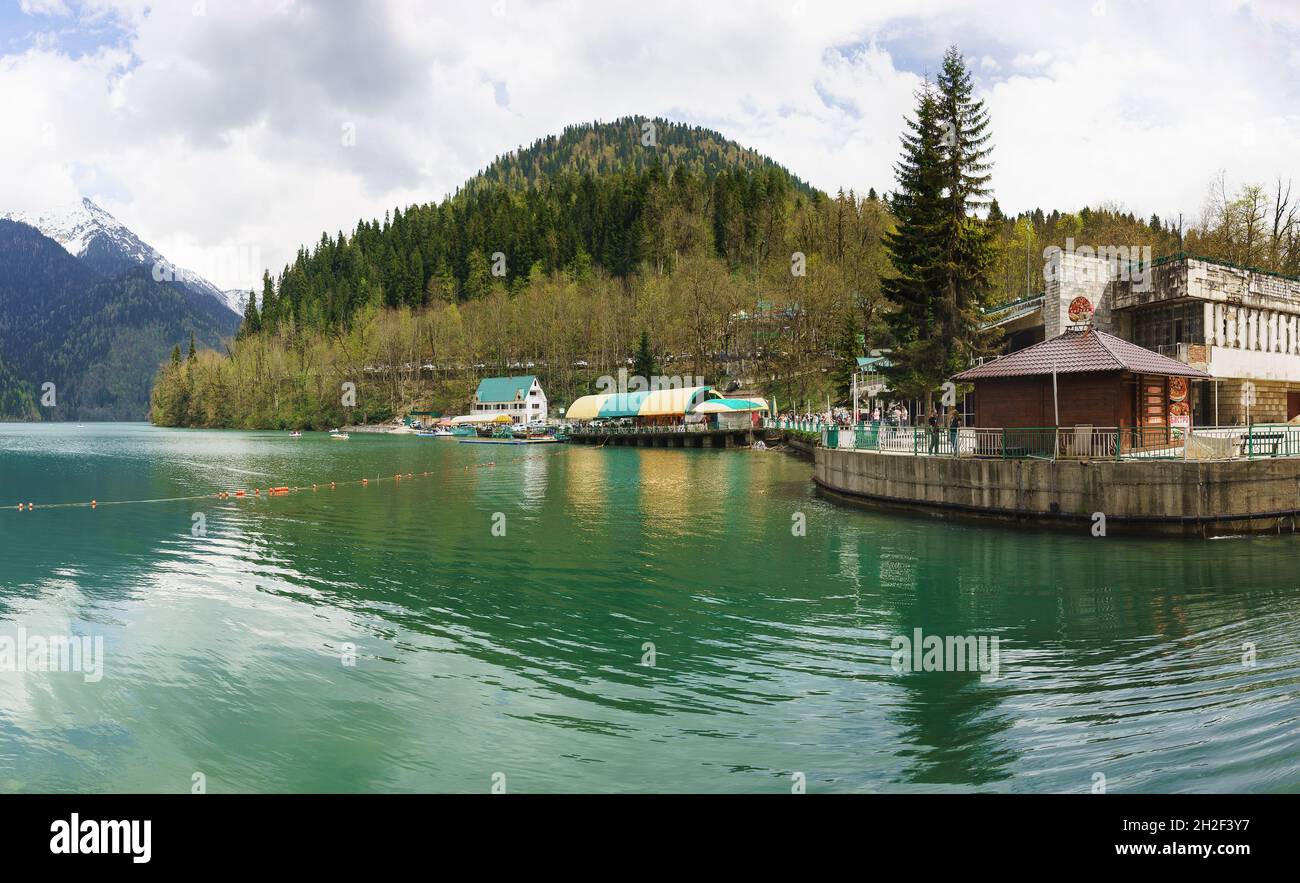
x=106, y=245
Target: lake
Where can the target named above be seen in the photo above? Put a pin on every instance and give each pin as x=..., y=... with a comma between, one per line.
x=571, y=618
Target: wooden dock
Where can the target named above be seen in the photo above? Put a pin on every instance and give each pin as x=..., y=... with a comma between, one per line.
x=667, y=438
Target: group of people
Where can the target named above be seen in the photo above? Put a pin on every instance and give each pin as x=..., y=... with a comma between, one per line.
x=937, y=422
x=896, y=417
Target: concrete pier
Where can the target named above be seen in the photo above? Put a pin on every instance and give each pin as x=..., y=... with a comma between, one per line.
x=1181, y=497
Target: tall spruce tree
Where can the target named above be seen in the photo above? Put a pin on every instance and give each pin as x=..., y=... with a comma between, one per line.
x=643, y=364
x=252, y=319
x=914, y=251
x=941, y=250
x=966, y=241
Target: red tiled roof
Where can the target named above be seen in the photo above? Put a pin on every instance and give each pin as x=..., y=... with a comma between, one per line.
x=1080, y=351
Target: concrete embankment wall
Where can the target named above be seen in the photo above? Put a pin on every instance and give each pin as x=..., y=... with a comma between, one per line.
x=1203, y=498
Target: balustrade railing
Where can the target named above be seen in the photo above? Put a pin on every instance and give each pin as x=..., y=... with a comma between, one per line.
x=1084, y=442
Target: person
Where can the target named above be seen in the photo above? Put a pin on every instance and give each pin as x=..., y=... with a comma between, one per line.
x=954, y=420
x=933, y=421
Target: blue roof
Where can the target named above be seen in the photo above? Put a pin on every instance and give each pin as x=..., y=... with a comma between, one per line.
x=504, y=389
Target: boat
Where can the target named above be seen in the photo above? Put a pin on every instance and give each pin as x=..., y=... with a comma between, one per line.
x=338, y=435
x=440, y=432
x=511, y=435
x=295, y=434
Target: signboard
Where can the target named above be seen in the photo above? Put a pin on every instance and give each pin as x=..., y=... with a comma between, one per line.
x=1180, y=416
x=1080, y=309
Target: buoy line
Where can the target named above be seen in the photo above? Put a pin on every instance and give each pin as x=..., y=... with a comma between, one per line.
x=254, y=494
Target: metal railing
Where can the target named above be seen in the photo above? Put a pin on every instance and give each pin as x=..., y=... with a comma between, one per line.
x=1254, y=442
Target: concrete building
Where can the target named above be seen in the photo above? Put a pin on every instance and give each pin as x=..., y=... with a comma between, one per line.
x=519, y=398
x=1242, y=327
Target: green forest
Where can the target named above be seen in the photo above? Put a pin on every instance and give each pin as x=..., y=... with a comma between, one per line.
x=559, y=256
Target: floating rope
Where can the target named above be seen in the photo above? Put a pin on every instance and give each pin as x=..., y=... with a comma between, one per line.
x=256, y=492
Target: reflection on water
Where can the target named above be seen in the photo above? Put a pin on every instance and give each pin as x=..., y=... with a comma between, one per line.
x=521, y=653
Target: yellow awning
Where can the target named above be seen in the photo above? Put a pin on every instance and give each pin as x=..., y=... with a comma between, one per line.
x=585, y=408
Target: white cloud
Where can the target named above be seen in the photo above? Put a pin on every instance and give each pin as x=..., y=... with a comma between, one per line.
x=223, y=132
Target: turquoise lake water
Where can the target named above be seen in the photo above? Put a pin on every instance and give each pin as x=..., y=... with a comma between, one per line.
x=226, y=649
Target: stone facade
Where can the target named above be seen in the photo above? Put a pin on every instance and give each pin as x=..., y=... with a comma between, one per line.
x=1249, y=322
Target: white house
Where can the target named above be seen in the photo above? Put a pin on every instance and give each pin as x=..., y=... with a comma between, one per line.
x=519, y=397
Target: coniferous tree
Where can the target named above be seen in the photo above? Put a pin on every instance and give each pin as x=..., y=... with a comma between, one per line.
x=252, y=319
x=193, y=352
x=965, y=241
x=847, y=350
x=643, y=364
x=918, y=358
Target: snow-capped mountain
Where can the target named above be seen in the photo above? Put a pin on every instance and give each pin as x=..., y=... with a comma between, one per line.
x=109, y=248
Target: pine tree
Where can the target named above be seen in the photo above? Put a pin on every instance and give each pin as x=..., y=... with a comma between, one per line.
x=848, y=348
x=643, y=364
x=193, y=352
x=252, y=319
x=176, y=355
x=914, y=251
x=270, y=303
x=966, y=242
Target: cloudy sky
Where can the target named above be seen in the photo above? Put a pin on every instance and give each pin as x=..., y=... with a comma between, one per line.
x=229, y=132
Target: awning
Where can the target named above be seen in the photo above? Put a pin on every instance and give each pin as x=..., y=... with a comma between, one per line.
x=485, y=417
x=724, y=406
x=646, y=403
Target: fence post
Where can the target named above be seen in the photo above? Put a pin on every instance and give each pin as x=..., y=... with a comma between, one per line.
x=1003, y=446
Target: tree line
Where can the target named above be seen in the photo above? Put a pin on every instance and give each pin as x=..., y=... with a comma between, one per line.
x=593, y=251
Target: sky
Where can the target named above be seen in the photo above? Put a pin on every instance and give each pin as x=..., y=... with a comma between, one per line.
x=227, y=133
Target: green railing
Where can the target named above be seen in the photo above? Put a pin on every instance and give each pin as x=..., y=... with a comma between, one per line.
x=1254, y=442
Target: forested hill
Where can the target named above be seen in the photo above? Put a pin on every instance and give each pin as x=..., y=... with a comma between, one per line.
x=98, y=340
x=635, y=143
x=593, y=197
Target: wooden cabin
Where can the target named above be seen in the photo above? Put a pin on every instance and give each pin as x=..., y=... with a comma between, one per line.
x=1084, y=377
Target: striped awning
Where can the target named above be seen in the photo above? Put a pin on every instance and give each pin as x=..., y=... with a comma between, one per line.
x=723, y=406
x=481, y=417
x=652, y=403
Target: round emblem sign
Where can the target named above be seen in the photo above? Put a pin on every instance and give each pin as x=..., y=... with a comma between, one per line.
x=1080, y=309
x=1177, y=389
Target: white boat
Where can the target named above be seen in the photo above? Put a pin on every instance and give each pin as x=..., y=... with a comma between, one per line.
x=440, y=432
x=338, y=435
x=295, y=434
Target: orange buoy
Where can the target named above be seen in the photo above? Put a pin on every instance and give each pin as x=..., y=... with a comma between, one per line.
x=93, y=504
x=241, y=492
x=365, y=481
